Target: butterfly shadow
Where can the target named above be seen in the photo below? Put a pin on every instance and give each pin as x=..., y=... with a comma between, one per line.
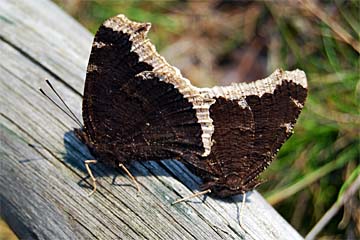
x=76, y=153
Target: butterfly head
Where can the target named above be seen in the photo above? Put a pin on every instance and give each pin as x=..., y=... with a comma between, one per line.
x=83, y=136
x=230, y=185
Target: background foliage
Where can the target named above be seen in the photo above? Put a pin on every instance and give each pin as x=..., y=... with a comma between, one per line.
x=218, y=42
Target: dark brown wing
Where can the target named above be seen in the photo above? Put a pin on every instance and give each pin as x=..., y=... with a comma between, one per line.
x=251, y=123
x=275, y=116
x=134, y=103
x=137, y=106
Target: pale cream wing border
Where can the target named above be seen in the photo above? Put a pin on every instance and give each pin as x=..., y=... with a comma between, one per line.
x=259, y=87
x=239, y=91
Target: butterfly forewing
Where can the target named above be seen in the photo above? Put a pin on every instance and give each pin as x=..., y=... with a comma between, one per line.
x=133, y=116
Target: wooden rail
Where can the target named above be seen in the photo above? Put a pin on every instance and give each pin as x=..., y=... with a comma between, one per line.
x=43, y=193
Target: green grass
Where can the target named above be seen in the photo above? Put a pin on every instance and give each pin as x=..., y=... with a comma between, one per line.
x=321, y=160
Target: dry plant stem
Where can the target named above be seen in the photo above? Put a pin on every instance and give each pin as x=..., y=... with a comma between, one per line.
x=191, y=196
x=131, y=176
x=87, y=163
x=335, y=115
x=319, y=13
x=278, y=196
x=334, y=209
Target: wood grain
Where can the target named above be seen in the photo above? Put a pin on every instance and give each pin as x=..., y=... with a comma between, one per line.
x=43, y=192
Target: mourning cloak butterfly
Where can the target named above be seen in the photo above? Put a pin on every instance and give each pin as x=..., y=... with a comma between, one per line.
x=138, y=107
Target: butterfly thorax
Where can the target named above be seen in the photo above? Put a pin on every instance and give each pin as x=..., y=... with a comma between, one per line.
x=102, y=152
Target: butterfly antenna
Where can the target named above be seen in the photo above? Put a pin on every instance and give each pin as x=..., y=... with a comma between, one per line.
x=57, y=105
x=67, y=107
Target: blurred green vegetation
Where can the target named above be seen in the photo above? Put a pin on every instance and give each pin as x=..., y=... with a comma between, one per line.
x=218, y=42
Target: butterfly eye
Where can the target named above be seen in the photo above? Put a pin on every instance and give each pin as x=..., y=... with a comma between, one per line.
x=234, y=181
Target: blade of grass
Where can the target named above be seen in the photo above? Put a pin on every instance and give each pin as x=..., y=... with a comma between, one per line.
x=279, y=195
x=288, y=37
x=337, y=28
x=333, y=115
x=333, y=210
x=349, y=181
x=329, y=45
x=351, y=20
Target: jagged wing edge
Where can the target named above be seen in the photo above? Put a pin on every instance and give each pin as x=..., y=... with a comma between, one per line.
x=237, y=91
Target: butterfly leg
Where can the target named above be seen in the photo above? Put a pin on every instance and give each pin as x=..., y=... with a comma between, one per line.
x=241, y=223
x=192, y=196
x=87, y=163
x=241, y=210
x=130, y=175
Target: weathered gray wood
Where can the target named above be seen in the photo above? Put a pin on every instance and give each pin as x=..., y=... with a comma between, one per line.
x=41, y=189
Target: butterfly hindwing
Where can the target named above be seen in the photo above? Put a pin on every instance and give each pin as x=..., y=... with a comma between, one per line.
x=251, y=123
x=275, y=116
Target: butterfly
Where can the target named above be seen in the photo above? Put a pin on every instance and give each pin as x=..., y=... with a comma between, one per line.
x=137, y=107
